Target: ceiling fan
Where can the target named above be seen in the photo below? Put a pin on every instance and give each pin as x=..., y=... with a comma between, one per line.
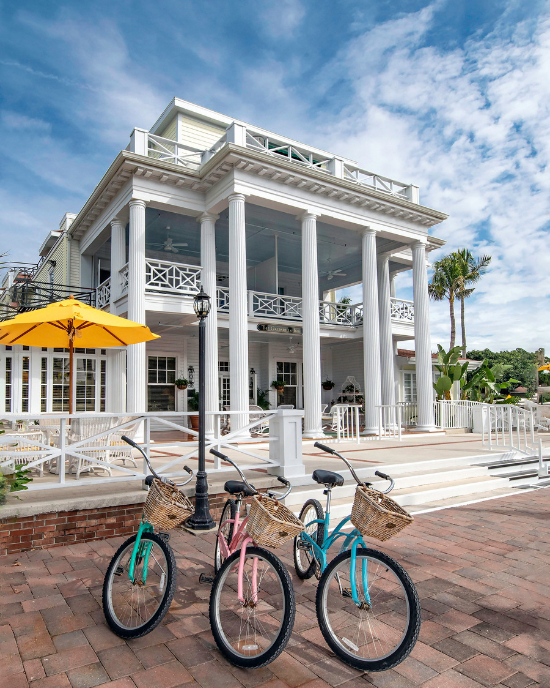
x=169, y=246
x=331, y=274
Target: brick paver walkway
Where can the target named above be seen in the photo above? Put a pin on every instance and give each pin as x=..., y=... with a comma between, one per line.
x=482, y=573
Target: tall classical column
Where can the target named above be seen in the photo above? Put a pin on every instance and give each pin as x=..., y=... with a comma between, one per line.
x=371, y=332
x=423, y=353
x=386, y=340
x=208, y=262
x=310, y=318
x=238, y=315
x=116, y=381
x=118, y=257
x=136, y=361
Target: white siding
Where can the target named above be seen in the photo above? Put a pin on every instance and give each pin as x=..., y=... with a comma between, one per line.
x=347, y=359
x=170, y=130
x=59, y=255
x=74, y=263
x=198, y=134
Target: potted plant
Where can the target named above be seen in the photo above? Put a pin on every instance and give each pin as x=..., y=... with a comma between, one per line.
x=278, y=384
x=193, y=405
x=181, y=383
x=327, y=384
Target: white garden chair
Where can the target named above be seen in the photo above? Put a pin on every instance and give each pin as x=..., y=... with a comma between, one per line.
x=82, y=428
x=259, y=412
x=18, y=442
x=121, y=450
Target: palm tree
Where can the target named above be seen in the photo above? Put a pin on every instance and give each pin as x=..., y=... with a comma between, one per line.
x=470, y=270
x=444, y=286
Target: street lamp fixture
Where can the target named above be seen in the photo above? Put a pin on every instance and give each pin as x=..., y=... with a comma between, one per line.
x=201, y=519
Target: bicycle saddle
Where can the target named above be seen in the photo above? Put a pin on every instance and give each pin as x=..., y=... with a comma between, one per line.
x=235, y=487
x=327, y=478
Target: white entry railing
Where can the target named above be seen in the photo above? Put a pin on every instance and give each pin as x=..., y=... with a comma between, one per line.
x=346, y=420
x=457, y=413
x=169, y=277
x=103, y=294
x=389, y=420
x=47, y=448
x=506, y=426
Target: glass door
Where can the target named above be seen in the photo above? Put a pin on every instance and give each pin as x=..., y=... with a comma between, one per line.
x=287, y=371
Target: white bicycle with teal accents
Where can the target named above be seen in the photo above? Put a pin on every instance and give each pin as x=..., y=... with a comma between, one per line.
x=367, y=606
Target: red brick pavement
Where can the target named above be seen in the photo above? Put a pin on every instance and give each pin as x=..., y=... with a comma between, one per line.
x=481, y=573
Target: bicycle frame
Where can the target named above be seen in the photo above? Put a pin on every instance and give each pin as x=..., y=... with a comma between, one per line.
x=140, y=550
x=352, y=539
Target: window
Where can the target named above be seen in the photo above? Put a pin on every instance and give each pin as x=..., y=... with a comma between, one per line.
x=287, y=371
x=44, y=385
x=60, y=386
x=8, y=385
x=223, y=366
x=25, y=384
x=409, y=387
x=85, y=384
x=161, y=375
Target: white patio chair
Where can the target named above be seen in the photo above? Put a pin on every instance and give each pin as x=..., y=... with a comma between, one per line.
x=261, y=413
x=122, y=451
x=332, y=417
x=18, y=442
x=81, y=428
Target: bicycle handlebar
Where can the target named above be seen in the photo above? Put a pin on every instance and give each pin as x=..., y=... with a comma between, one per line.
x=329, y=450
x=282, y=480
x=154, y=473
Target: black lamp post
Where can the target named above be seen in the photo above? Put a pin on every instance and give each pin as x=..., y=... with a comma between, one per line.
x=201, y=519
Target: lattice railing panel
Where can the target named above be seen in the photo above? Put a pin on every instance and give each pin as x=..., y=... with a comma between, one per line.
x=222, y=299
x=123, y=279
x=103, y=294
x=176, y=278
x=276, y=306
x=375, y=181
x=173, y=152
x=402, y=310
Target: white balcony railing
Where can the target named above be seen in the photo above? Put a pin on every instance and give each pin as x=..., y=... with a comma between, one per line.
x=265, y=305
x=222, y=299
x=331, y=313
x=173, y=152
x=103, y=294
x=123, y=279
x=402, y=310
x=298, y=155
x=375, y=181
x=172, y=278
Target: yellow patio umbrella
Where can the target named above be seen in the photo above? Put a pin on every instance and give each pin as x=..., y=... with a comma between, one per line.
x=544, y=367
x=62, y=323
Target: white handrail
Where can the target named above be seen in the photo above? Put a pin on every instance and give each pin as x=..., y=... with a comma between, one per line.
x=171, y=277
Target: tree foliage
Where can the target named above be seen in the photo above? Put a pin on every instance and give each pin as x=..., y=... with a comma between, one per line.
x=521, y=365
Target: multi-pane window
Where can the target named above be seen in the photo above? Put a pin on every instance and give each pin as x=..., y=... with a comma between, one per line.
x=85, y=384
x=9, y=385
x=25, y=384
x=223, y=366
x=60, y=384
x=161, y=375
x=102, y=385
x=287, y=371
x=409, y=387
x=44, y=385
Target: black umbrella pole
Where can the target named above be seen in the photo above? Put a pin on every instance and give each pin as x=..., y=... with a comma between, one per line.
x=201, y=519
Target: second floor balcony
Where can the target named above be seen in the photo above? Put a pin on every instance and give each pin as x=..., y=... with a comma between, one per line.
x=178, y=279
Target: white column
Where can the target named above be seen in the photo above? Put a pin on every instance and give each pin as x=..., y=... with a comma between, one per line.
x=118, y=257
x=116, y=381
x=208, y=262
x=371, y=333
x=310, y=317
x=136, y=361
x=386, y=340
x=423, y=353
x=238, y=315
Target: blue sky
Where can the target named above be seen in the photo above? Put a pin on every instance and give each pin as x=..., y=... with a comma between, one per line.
x=450, y=95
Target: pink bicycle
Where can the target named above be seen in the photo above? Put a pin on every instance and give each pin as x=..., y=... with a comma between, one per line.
x=252, y=604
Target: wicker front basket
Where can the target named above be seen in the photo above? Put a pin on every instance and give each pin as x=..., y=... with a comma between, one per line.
x=377, y=516
x=271, y=523
x=166, y=507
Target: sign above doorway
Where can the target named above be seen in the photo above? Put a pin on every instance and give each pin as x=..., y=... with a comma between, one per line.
x=281, y=329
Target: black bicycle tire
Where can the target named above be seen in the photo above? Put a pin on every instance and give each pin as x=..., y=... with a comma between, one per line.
x=288, y=620
x=320, y=539
x=157, y=617
x=233, y=511
x=411, y=635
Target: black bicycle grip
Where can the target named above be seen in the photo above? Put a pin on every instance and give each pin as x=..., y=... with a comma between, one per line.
x=186, y=468
x=324, y=447
x=218, y=454
x=149, y=479
x=282, y=480
x=128, y=441
x=382, y=475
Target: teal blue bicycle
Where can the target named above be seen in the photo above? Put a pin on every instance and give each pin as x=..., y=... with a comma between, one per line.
x=367, y=606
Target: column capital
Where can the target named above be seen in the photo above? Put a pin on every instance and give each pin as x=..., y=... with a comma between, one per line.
x=419, y=243
x=307, y=216
x=236, y=197
x=369, y=231
x=383, y=258
x=205, y=217
x=116, y=222
x=137, y=202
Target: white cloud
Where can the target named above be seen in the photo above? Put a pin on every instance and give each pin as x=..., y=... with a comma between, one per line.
x=282, y=17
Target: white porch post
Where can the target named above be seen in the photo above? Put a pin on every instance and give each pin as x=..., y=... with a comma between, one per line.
x=423, y=355
x=371, y=333
x=238, y=315
x=208, y=262
x=386, y=341
x=116, y=381
x=136, y=361
x=118, y=257
x=310, y=318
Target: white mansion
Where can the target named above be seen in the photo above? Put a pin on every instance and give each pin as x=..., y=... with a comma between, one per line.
x=271, y=228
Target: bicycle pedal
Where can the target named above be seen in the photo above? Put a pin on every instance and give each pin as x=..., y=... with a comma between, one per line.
x=203, y=578
x=119, y=571
x=165, y=536
x=346, y=592
x=306, y=546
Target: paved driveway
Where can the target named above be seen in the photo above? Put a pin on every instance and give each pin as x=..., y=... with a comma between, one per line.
x=482, y=573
